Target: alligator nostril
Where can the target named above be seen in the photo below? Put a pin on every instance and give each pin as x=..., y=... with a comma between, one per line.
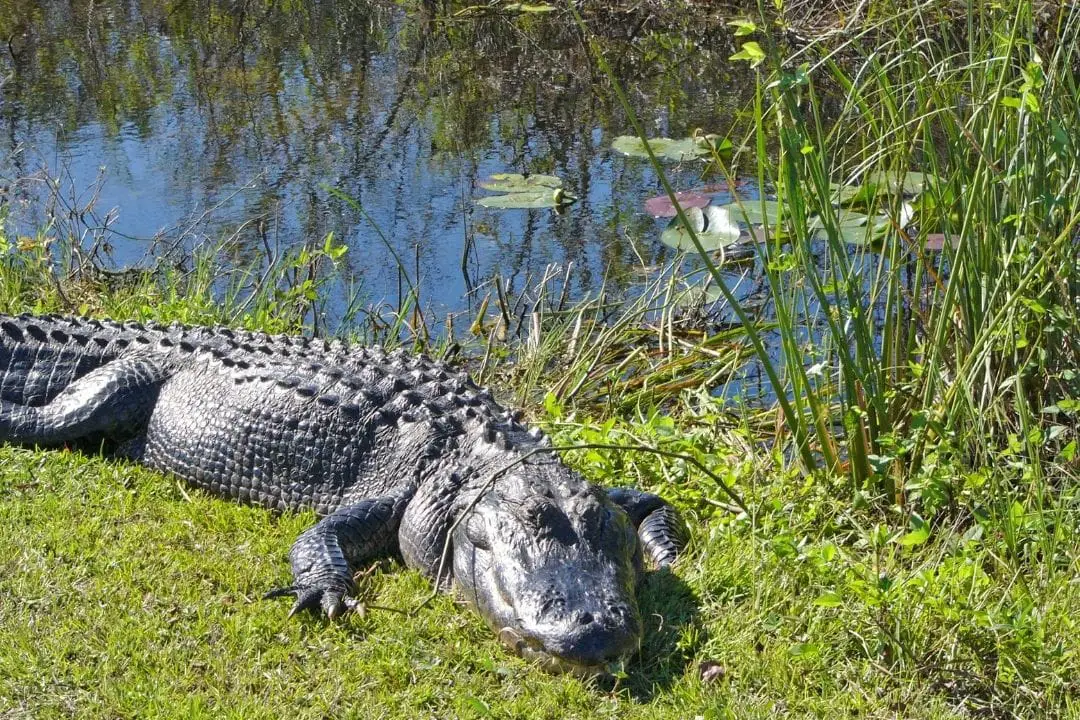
x=585, y=618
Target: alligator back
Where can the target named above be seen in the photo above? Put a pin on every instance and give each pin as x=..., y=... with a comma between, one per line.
x=279, y=421
x=42, y=355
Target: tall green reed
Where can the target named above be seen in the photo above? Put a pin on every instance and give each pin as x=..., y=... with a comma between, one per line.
x=891, y=352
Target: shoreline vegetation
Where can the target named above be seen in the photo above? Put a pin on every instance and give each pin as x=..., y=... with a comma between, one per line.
x=896, y=534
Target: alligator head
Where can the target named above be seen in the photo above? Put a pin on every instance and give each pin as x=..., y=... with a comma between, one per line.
x=552, y=566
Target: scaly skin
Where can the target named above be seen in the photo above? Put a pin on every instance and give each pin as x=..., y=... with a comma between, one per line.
x=399, y=454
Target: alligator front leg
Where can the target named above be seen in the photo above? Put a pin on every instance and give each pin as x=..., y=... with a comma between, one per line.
x=325, y=557
x=112, y=402
x=662, y=533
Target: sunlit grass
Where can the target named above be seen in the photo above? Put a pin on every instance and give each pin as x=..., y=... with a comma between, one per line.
x=917, y=556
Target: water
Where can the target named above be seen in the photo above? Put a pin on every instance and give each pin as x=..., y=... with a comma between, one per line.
x=199, y=120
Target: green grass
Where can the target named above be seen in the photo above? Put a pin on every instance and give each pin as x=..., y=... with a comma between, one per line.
x=912, y=546
x=123, y=594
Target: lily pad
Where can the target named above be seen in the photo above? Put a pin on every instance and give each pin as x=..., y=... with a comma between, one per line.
x=516, y=183
x=855, y=195
x=908, y=183
x=524, y=191
x=546, y=198
x=713, y=226
x=856, y=228
x=660, y=206
x=664, y=148
x=844, y=219
x=755, y=212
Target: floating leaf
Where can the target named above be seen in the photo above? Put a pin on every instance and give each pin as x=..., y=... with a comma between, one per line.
x=515, y=182
x=855, y=195
x=755, y=212
x=663, y=148
x=854, y=228
x=524, y=191
x=712, y=225
x=844, y=219
x=908, y=183
x=660, y=206
x=533, y=199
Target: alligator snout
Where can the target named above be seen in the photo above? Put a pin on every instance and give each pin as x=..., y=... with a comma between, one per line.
x=593, y=640
x=583, y=644
x=579, y=622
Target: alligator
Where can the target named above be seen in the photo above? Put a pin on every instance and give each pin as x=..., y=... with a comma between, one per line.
x=397, y=453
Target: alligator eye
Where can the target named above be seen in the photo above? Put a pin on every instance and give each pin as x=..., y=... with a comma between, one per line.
x=539, y=511
x=476, y=532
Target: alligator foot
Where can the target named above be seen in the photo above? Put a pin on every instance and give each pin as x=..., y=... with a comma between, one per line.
x=325, y=557
x=334, y=601
x=662, y=533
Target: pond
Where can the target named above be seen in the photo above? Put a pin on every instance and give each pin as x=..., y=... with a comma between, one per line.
x=185, y=121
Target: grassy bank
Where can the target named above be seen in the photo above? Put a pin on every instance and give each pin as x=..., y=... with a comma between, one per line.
x=899, y=537
x=124, y=593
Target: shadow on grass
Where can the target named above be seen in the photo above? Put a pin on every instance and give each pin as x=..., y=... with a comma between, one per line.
x=668, y=607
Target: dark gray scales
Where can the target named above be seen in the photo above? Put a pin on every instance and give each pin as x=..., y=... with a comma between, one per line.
x=399, y=454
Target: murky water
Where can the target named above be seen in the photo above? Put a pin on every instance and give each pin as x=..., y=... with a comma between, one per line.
x=199, y=120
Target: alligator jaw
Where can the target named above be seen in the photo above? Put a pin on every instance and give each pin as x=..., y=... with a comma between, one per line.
x=532, y=651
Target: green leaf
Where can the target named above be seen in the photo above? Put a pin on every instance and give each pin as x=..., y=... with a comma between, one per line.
x=755, y=212
x=908, y=183
x=663, y=148
x=552, y=406
x=829, y=599
x=751, y=52
x=850, y=195
x=1032, y=102
x=525, y=200
x=853, y=228
x=843, y=219
x=524, y=191
x=1016, y=515
x=477, y=705
x=743, y=27
x=807, y=650
x=514, y=182
x=712, y=225
x=919, y=534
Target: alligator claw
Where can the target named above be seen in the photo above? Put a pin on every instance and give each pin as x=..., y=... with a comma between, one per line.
x=334, y=603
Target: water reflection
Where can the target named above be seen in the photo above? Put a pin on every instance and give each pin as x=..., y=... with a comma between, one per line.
x=250, y=109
